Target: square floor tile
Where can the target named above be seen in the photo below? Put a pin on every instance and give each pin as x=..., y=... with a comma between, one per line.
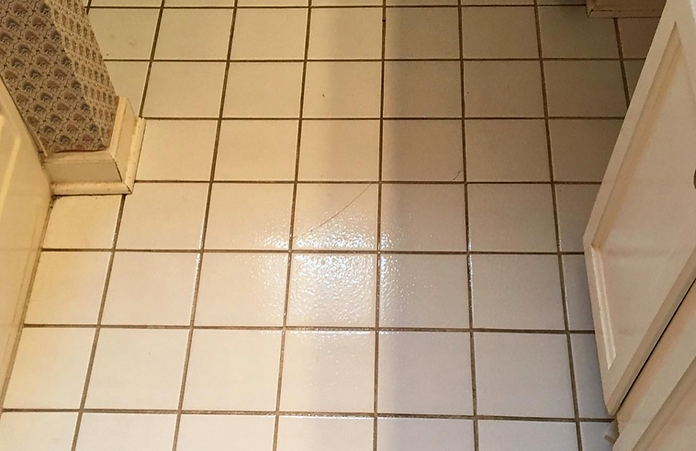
x=425, y=373
x=328, y=372
x=322, y=433
x=336, y=216
x=581, y=148
x=82, y=222
x=269, y=34
x=151, y=289
x=225, y=432
x=124, y=33
x=422, y=89
x=423, y=218
x=587, y=377
x=49, y=369
x=633, y=69
x=502, y=32
x=184, y=90
x=115, y=432
x=346, y=33
x=585, y=88
x=332, y=290
x=339, y=150
x=249, y=216
x=198, y=3
x=417, y=434
x=637, y=35
x=137, y=369
x=68, y=288
x=423, y=291
x=163, y=216
x=346, y=2
x=256, y=150
x=422, y=33
x=577, y=293
x=419, y=150
x=242, y=290
x=506, y=151
x=523, y=375
x=128, y=78
x=499, y=2
x=342, y=89
x=194, y=34
x=271, y=3
x=511, y=218
x=593, y=436
x=233, y=370
x=177, y=150
x=575, y=204
x=503, y=89
x=567, y=32
x=37, y=431
x=263, y=90
x=152, y=3
x=527, y=436
x=517, y=292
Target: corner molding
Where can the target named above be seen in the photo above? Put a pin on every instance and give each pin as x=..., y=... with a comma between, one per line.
x=110, y=171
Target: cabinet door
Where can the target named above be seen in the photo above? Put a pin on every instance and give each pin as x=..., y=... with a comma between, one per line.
x=640, y=242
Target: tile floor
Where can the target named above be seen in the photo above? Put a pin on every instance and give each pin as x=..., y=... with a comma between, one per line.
x=356, y=226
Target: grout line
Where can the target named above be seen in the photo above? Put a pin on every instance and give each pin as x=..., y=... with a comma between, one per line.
x=350, y=60
x=370, y=182
x=368, y=6
x=622, y=62
x=314, y=251
x=155, y=38
x=194, y=305
x=388, y=118
x=557, y=230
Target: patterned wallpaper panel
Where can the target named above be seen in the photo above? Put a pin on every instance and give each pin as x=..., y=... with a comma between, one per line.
x=52, y=66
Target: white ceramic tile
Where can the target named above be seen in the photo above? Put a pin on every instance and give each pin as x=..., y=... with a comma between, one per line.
x=587, y=378
x=506, y=151
x=137, y=369
x=163, y=216
x=336, y=216
x=249, y=216
x=269, y=34
x=417, y=434
x=179, y=89
x=423, y=291
x=328, y=371
x=177, y=150
x=332, y=290
x=82, y=222
x=322, y=433
x=141, y=3
x=584, y=88
x=527, y=436
x=197, y=3
x=339, y=150
x=263, y=90
x=68, y=288
x=567, y=32
x=425, y=373
x=581, y=148
x=242, y=290
x=116, y=432
x=233, y=370
x=49, y=369
x=423, y=217
x=502, y=32
x=503, y=89
x=257, y=150
x=342, y=89
x=422, y=89
x=346, y=2
x=637, y=35
x=422, y=33
x=194, y=34
x=124, y=33
x=575, y=204
x=151, y=289
x=422, y=150
x=128, y=78
x=523, y=375
x=593, y=436
x=517, y=292
x=261, y=3
x=345, y=33
x=225, y=432
x=511, y=218
x=34, y=431
x=577, y=293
